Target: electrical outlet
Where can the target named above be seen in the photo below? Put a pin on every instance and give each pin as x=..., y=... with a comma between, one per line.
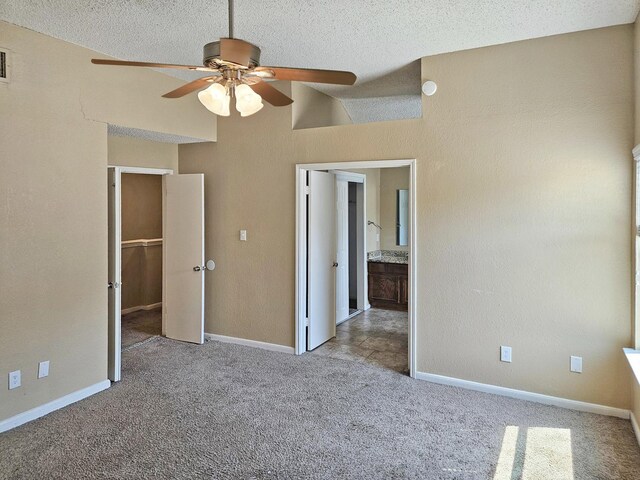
x=505, y=354
x=576, y=364
x=243, y=235
x=14, y=379
x=43, y=369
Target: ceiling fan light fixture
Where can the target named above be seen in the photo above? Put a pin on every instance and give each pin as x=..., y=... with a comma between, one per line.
x=248, y=102
x=215, y=99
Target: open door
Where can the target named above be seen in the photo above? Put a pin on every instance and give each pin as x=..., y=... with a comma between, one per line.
x=114, y=273
x=321, y=287
x=184, y=257
x=342, y=249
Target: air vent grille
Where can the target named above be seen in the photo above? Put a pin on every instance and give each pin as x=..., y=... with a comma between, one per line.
x=4, y=65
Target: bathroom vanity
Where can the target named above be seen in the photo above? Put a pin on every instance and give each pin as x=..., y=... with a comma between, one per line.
x=388, y=275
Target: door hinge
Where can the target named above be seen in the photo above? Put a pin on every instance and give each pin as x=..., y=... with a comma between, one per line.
x=307, y=190
x=306, y=322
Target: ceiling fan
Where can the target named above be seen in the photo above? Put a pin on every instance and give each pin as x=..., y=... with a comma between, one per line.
x=235, y=70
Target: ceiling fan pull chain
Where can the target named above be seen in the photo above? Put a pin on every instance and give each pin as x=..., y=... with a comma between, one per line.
x=230, y=18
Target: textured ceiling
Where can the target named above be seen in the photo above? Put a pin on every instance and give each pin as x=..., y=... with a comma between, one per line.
x=372, y=38
x=118, y=131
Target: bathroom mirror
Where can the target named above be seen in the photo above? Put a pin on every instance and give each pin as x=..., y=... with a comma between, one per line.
x=402, y=218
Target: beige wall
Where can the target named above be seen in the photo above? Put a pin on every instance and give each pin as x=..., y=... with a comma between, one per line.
x=391, y=180
x=141, y=206
x=53, y=198
x=141, y=276
x=312, y=108
x=141, y=219
x=523, y=204
x=137, y=152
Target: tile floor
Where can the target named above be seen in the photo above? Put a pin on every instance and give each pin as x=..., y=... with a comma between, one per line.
x=375, y=336
x=140, y=325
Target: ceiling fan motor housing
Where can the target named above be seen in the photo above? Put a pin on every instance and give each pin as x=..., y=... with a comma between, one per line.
x=231, y=50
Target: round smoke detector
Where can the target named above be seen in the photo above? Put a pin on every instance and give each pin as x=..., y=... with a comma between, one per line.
x=429, y=88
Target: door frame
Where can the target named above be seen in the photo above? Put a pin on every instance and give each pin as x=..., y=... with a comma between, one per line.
x=119, y=170
x=361, y=236
x=301, y=246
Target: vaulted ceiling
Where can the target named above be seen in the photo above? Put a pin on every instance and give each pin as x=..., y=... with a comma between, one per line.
x=379, y=40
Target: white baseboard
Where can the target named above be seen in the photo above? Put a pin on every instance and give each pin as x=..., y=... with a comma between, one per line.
x=56, y=404
x=636, y=427
x=524, y=395
x=153, y=306
x=250, y=343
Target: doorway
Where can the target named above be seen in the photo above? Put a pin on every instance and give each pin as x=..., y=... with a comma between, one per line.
x=177, y=258
x=351, y=274
x=317, y=262
x=141, y=253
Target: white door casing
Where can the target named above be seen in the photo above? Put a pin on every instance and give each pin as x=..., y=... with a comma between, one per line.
x=184, y=257
x=322, y=257
x=342, y=249
x=114, y=277
x=302, y=247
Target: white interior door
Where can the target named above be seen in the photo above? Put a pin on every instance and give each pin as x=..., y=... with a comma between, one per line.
x=342, y=249
x=184, y=257
x=322, y=258
x=114, y=274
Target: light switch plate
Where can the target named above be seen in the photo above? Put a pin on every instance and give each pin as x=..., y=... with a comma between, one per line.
x=14, y=379
x=576, y=364
x=243, y=235
x=505, y=354
x=43, y=369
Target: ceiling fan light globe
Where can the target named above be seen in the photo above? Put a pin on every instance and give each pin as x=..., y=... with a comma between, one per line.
x=248, y=102
x=244, y=91
x=248, y=105
x=215, y=99
x=245, y=112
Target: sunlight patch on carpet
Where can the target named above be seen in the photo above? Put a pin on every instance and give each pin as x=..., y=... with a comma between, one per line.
x=534, y=453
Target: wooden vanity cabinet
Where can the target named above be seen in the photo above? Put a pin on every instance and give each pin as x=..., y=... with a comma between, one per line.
x=388, y=285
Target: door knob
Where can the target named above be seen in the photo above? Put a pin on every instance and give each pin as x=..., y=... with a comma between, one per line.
x=210, y=265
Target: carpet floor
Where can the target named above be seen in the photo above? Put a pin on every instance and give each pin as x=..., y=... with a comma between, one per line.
x=139, y=326
x=227, y=411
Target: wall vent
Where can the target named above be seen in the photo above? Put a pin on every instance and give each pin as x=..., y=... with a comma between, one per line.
x=4, y=65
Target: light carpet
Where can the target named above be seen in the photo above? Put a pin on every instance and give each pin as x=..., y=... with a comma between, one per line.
x=140, y=325
x=227, y=411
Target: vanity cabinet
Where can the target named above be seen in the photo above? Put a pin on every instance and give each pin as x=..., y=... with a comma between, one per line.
x=388, y=285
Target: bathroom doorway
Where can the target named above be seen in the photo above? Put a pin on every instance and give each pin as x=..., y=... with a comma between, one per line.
x=384, y=334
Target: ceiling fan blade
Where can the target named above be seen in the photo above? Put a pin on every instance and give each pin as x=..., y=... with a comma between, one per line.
x=310, y=75
x=122, y=63
x=272, y=95
x=189, y=87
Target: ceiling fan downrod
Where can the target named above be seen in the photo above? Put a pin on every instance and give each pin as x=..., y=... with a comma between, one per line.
x=230, y=18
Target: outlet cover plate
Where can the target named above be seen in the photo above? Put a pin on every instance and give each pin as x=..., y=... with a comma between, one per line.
x=576, y=364
x=14, y=379
x=43, y=369
x=505, y=354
